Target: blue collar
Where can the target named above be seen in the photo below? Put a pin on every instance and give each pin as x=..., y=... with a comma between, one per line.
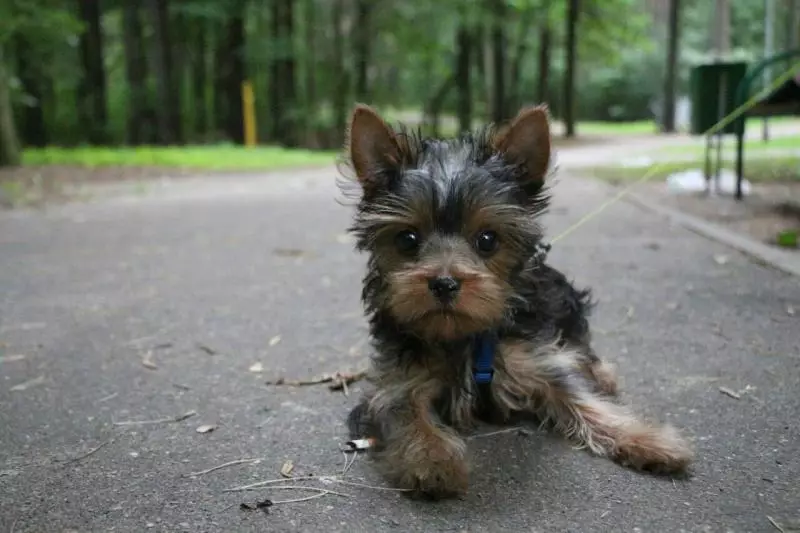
x=485, y=349
x=486, y=343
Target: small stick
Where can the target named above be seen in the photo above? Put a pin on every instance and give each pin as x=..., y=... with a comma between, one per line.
x=174, y=419
x=350, y=465
x=106, y=398
x=90, y=452
x=323, y=479
x=224, y=465
x=775, y=524
x=318, y=489
x=364, y=485
x=295, y=500
x=728, y=392
x=267, y=482
x=498, y=432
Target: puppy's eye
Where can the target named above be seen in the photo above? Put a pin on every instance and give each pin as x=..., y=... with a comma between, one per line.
x=407, y=241
x=486, y=242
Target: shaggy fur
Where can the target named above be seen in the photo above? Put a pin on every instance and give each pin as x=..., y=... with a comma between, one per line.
x=450, y=229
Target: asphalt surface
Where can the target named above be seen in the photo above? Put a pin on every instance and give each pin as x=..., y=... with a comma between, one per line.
x=211, y=277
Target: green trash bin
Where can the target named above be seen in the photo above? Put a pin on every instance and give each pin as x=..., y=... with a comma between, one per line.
x=707, y=83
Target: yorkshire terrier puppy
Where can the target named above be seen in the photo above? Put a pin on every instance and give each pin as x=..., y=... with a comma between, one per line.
x=467, y=320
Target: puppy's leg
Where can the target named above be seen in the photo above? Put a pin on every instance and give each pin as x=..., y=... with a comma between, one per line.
x=414, y=449
x=550, y=382
x=600, y=373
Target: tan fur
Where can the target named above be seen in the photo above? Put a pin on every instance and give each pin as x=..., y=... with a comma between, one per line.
x=421, y=453
x=548, y=382
x=604, y=375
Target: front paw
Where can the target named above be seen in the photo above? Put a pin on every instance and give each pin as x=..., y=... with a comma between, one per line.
x=438, y=479
x=432, y=469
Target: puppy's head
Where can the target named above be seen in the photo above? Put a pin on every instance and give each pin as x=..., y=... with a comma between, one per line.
x=447, y=223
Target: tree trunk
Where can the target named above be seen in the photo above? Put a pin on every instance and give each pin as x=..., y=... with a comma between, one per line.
x=9, y=143
x=233, y=75
x=515, y=80
x=92, y=86
x=464, y=46
x=200, y=79
x=434, y=108
x=545, y=40
x=311, y=105
x=168, y=108
x=341, y=87
x=282, y=74
x=361, y=49
x=135, y=73
x=498, y=62
x=668, y=119
x=33, y=131
x=569, y=72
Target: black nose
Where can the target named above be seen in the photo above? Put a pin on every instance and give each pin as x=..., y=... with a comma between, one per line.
x=444, y=288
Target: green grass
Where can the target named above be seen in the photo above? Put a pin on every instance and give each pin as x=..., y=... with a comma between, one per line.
x=212, y=157
x=642, y=127
x=729, y=145
x=773, y=169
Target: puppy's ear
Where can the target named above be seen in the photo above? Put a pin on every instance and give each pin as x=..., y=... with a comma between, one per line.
x=526, y=141
x=373, y=145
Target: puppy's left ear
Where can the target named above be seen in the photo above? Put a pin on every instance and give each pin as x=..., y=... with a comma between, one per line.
x=526, y=141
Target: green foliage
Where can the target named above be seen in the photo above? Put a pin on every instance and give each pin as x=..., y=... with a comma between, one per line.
x=621, y=56
x=208, y=157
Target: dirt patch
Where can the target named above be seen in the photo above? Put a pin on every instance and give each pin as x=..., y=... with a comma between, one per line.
x=769, y=210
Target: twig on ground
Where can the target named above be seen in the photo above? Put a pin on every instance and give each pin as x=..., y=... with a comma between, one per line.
x=349, y=465
x=363, y=485
x=728, y=392
x=173, y=419
x=775, y=524
x=322, y=479
x=109, y=397
x=521, y=430
x=90, y=452
x=242, y=488
x=295, y=500
x=224, y=465
x=318, y=489
x=337, y=380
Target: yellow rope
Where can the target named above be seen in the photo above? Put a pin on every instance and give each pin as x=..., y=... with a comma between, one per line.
x=780, y=80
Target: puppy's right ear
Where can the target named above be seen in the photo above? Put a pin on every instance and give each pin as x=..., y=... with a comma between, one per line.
x=373, y=145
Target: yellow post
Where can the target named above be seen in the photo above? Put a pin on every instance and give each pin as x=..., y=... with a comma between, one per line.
x=248, y=114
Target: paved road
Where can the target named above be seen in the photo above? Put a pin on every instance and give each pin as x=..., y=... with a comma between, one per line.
x=86, y=291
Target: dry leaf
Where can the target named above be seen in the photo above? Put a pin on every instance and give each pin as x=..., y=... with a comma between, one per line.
x=728, y=392
x=206, y=428
x=290, y=252
x=11, y=358
x=207, y=349
x=147, y=361
x=28, y=384
x=721, y=259
x=275, y=340
x=286, y=469
x=256, y=368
